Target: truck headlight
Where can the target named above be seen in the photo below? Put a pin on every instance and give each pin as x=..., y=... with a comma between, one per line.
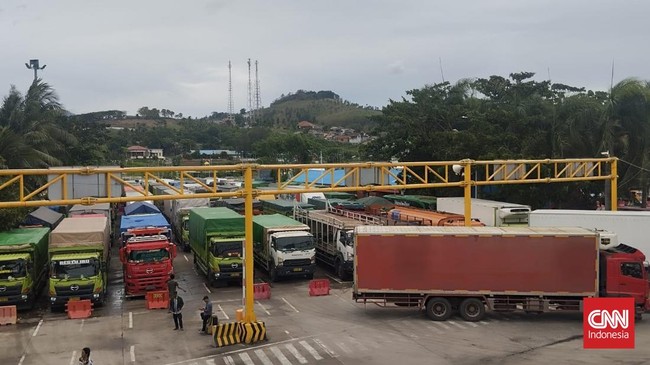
x=217, y=274
x=280, y=261
x=95, y=295
x=23, y=297
x=52, y=299
x=313, y=259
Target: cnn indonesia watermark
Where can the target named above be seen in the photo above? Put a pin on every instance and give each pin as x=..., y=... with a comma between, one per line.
x=608, y=323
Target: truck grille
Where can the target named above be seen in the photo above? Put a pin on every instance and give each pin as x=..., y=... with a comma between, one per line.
x=298, y=262
x=74, y=290
x=10, y=290
x=233, y=267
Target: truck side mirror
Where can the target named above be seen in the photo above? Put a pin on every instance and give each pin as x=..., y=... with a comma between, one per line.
x=123, y=255
x=172, y=251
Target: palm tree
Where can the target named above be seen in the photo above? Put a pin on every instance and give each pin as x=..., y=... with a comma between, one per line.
x=29, y=134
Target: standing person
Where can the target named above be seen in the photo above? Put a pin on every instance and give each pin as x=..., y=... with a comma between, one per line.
x=206, y=313
x=85, y=357
x=176, y=307
x=172, y=285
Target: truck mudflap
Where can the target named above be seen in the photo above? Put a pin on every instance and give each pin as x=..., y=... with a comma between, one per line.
x=296, y=270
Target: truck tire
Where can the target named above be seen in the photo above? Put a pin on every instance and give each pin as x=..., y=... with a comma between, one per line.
x=273, y=274
x=472, y=309
x=338, y=267
x=438, y=309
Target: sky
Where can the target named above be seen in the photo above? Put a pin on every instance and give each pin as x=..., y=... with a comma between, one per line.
x=122, y=55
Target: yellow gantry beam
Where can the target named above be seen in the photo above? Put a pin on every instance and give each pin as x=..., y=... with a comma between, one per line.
x=367, y=176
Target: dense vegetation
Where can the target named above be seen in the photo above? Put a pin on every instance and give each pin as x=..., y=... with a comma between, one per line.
x=481, y=119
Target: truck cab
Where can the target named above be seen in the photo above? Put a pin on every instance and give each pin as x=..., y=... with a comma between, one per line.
x=292, y=254
x=76, y=276
x=625, y=275
x=225, y=259
x=147, y=261
x=15, y=281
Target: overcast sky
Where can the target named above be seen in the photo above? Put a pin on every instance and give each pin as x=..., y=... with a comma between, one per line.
x=122, y=55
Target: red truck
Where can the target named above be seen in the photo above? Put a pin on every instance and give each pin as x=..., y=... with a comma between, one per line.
x=469, y=270
x=147, y=255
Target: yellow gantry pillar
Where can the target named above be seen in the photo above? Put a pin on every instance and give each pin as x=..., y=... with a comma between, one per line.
x=613, y=191
x=468, y=193
x=249, y=303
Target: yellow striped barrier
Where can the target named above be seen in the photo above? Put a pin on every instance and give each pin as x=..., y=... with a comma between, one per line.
x=253, y=332
x=226, y=334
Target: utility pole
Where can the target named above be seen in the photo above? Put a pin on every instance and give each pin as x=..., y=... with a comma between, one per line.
x=250, y=95
x=34, y=65
x=231, y=106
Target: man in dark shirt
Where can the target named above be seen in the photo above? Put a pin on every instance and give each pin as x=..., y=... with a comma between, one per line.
x=176, y=305
x=206, y=313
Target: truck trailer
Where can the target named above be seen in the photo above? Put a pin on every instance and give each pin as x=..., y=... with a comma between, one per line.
x=283, y=247
x=490, y=212
x=333, y=231
x=23, y=266
x=632, y=228
x=217, y=241
x=469, y=270
x=79, y=255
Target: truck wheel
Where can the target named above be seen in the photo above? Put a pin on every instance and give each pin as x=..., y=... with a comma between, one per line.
x=438, y=309
x=211, y=281
x=273, y=273
x=472, y=309
x=338, y=266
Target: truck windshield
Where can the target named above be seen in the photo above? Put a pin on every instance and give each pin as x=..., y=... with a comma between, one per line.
x=12, y=269
x=294, y=243
x=74, y=269
x=155, y=255
x=227, y=249
x=347, y=237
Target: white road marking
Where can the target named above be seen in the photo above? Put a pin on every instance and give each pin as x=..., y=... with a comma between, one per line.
x=40, y=323
x=130, y=319
x=435, y=329
x=260, y=304
x=246, y=359
x=81, y=327
x=209, y=362
x=295, y=353
x=262, y=356
x=280, y=356
x=132, y=351
x=288, y=334
x=334, y=278
x=311, y=350
x=186, y=259
x=329, y=352
x=294, y=308
x=221, y=309
x=21, y=360
x=206, y=288
x=228, y=360
x=343, y=347
x=454, y=323
x=483, y=322
x=72, y=358
x=442, y=325
x=472, y=324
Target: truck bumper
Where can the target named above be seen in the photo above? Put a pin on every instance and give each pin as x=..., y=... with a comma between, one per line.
x=296, y=270
x=61, y=301
x=20, y=301
x=227, y=276
x=135, y=288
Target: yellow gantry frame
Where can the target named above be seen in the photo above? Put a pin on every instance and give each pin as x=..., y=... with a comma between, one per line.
x=416, y=175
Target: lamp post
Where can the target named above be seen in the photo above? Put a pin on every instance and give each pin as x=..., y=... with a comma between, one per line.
x=34, y=65
x=608, y=205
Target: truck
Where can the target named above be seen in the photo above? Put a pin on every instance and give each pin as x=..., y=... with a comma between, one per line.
x=101, y=208
x=283, y=247
x=470, y=270
x=490, y=212
x=405, y=215
x=333, y=231
x=147, y=260
x=217, y=241
x=23, y=266
x=138, y=221
x=78, y=260
x=180, y=216
x=631, y=227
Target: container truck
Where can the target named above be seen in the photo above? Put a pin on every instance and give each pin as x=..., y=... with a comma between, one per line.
x=471, y=269
x=217, y=241
x=79, y=256
x=147, y=257
x=489, y=212
x=631, y=227
x=23, y=266
x=333, y=234
x=180, y=216
x=283, y=247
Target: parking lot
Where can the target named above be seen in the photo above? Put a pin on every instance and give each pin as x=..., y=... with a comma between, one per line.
x=301, y=330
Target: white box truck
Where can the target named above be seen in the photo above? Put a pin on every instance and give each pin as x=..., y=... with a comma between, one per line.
x=490, y=212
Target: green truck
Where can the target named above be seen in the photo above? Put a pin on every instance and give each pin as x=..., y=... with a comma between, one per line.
x=283, y=246
x=79, y=254
x=23, y=266
x=217, y=239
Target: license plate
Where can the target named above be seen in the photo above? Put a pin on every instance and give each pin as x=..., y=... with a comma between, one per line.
x=2, y=299
x=235, y=275
x=157, y=296
x=75, y=298
x=298, y=269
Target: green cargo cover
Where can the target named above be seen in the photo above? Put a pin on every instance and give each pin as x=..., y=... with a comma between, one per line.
x=214, y=221
x=24, y=240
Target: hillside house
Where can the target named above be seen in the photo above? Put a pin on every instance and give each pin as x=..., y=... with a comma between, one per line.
x=139, y=152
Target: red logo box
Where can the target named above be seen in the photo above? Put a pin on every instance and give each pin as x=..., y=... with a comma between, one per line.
x=608, y=323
